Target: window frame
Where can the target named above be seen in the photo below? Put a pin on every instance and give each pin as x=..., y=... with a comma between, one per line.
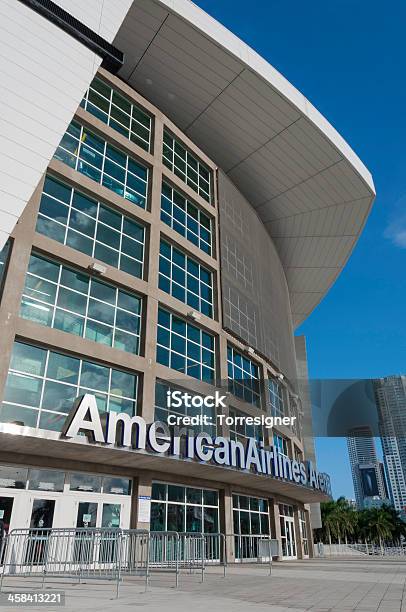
x=176, y=288
x=44, y=378
x=187, y=339
x=110, y=120
x=235, y=383
x=85, y=320
x=172, y=212
x=74, y=158
x=100, y=206
x=171, y=154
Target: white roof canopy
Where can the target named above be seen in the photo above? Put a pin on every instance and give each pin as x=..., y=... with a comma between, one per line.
x=310, y=189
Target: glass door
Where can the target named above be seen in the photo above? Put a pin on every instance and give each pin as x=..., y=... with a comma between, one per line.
x=42, y=514
x=86, y=519
x=289, y=551
x=42, y=518
x=86, y=515
x=6, y=508
x=110, y=520
x=111, y=516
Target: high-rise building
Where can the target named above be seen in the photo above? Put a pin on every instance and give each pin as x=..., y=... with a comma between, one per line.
x=367, y=473
x=181, y=208
x=390, y=394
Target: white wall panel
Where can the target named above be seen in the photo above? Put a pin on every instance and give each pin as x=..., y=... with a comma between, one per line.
x=44, y=73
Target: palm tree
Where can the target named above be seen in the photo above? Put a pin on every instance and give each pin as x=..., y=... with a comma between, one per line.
x=380, y=526
x=328, y=517
x=349, y=522
x=339, y=520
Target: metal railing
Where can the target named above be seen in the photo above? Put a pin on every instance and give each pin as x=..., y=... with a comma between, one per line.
x=113, y=554
x=359, y=550
x=249, y=548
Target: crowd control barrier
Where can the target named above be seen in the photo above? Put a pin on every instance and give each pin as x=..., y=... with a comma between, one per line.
x=113, y=554
x=250, y=548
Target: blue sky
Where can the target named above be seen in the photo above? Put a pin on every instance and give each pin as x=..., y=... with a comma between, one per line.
x=348, y=57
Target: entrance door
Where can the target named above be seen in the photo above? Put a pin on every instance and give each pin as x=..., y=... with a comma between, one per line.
x=42, y=513
x=90, y=546
x=42, y=518
x=289, y=540
x=6, y=508
x=87, y=515
x=111, y=516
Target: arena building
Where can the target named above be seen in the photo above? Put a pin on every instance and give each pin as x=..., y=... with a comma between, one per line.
x=172, y=208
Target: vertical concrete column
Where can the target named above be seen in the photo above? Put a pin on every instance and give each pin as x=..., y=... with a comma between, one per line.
x=291, y=448
x=275, y=525
x=309, y=530
x=22, y=239
x=299, y=542
x=268, y=432
x=142, y=488
x=151, y=306
x=227, y=522
x=223, y=376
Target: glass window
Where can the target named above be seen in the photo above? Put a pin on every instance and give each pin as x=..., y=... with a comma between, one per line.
x=251, y=517
x=85, y=482
x=179, y=508
x=185, y=347
x=95, y=158
x=117, y=111
x=116, y=485
x=276, y=402
x=46, y=480
x=13, y=477
x=281, y=444
x=243, y=377
x=42, y=386
x=62, y=298
x=187, y=166
x=86, y=225
x=185, y=279
x=186, y=218
x=4, y=255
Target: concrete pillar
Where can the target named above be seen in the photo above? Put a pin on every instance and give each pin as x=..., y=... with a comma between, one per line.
x=150, y=318
x=227, y=522
x=142, y=488
x=309, y=529
x=298, y=537
x=276, y=525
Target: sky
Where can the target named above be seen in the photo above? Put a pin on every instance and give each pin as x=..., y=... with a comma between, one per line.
x=348, y=58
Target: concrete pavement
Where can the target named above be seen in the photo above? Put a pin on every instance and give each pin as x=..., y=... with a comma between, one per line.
x=344, y=585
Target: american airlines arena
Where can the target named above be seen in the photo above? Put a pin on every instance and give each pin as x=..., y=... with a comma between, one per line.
x=172, y=208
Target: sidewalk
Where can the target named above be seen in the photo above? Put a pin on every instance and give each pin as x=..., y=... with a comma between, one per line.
x=343, y=584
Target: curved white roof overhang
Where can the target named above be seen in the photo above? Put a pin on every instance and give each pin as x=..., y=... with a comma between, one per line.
x=307, y=185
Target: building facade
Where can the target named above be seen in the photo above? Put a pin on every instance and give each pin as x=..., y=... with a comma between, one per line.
x=367, y=472
x=157, y=253
x=390, y=395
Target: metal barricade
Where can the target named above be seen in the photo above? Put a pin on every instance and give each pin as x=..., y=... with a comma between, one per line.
x=133, y=559
x=215, y=550
x=249, y=548
x=164, y=552
x=80, y=553
x=192, y=551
